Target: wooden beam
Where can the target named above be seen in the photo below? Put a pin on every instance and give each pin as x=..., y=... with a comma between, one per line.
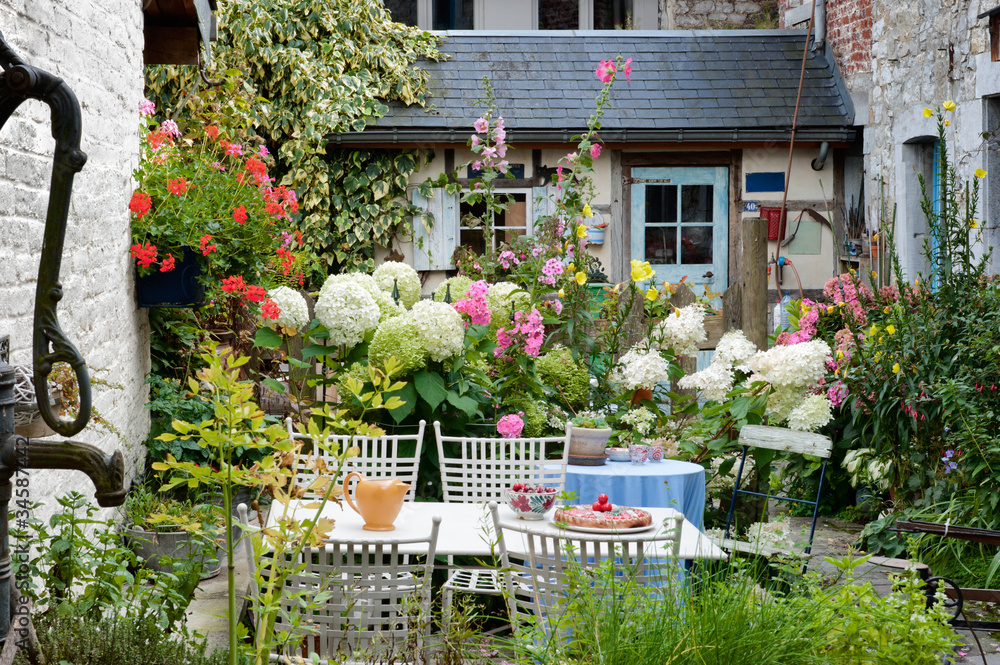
x=170, y=46
x=754, y=278
x=789, y=440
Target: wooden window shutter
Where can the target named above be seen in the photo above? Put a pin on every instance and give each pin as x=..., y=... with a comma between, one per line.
x=547, y=205
x=434, y=241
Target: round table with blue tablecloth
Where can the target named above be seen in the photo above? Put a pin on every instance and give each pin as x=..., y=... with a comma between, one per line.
x=666, y=484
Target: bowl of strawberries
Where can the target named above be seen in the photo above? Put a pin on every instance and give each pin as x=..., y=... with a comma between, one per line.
x=531, y=502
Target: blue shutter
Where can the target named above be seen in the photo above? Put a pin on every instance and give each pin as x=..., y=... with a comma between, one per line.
x=434, y=241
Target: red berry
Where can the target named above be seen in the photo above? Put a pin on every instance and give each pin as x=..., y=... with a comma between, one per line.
x=602, y=499
x=597, y=507
x=518, y=487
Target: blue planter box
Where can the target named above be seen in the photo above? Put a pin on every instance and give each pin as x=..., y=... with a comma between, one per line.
x=178, y=288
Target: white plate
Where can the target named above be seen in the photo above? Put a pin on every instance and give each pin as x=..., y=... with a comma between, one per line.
x=594, y=529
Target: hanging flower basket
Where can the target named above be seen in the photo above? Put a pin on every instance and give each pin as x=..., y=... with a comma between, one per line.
x=177, y=288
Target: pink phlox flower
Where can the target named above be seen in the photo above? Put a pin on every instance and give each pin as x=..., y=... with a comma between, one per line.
x=507, y=259
x=146, y=107
x=595, y=150
x=170, y=127
x=234, y=149
x=504, y=340
x=474, y=304
x=536, y=250
x=553, y=267
x=481, y=125
x=838, y=393
x=511, y=425
x=605, y=71
x=557, y=305
x=560, y=228
x=475, y=140
x=547, y=279
x=627, y=68
x=264, y=152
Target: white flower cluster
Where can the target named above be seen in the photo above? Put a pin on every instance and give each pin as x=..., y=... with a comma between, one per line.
x=641, y=369
x=386, y=305
x=294, y=310
x=714, y=382
x=404, y=277
x=441, y=327
x=771, y=534
x=641, y=419
x=810, y=414
x=347, y=312
x=734, y=348
x=501, y=299
x=796, y=366
x=683, y=330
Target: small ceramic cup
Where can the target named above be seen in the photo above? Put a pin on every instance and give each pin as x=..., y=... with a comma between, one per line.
x=656, y=453
x=639, y=453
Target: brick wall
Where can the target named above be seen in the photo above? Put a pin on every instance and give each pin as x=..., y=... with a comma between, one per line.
x=848, y=31
x=96, y=47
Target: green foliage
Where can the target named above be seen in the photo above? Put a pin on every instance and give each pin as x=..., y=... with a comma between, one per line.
x=323, y=67
x=86, y=572
x=170, y=401
x=570, y=379
x=115, y=640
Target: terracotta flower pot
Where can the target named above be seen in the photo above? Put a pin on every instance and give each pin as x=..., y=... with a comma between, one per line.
x=641, y=394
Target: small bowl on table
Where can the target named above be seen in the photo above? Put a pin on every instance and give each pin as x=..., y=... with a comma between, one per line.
x=531, y=502
x=619, y=455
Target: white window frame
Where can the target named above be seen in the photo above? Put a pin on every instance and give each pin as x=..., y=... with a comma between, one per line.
x=529, y=213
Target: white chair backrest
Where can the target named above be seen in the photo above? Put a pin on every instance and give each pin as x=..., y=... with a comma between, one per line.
x=546, y=565
x=390, y=456
x=478, y=469
x=788, y=440
x=379, y=600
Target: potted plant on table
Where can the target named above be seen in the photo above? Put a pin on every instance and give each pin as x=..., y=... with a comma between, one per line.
x=588, y=439
x=205, y=213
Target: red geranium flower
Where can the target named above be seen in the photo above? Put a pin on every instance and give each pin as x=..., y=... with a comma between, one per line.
x=140, y=204
x=168, y=263
x=256, y=293
x=205, y=248
x=157, y=138
x=234, y=284
x=145, y=255
x=212, y=131
x=240, y=214
x=270, y=310
x=178, y=186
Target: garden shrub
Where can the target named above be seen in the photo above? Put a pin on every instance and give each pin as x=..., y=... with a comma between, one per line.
x=571, y=380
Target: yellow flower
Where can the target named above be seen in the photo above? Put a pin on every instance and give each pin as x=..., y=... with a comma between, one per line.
x=836, y=372
x=581, y=231
x=878, y=356
x=973, y=224
x=949, y=105
x=928, y=113
x=891, y=329
x=830, y=309
x=873, y=330
x=980, y=173
x=571, y=267
x=895, y=368
x=874, y=275
x=641, y=270
x=562, y=293
x=881, y=338
x=916, y=282
x=947, y=122
x=652, y=294
x=886, y=309
x=840, y=354
x=581, y=278
x=587, y=212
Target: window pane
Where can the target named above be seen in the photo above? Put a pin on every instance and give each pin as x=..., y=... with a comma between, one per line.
x=402, y=11
x=696, y=204
x=506, y=225
x=514, y=220
x=452, y=15
x=661, y=245
x=612, y=14
x=661, y=204
x=696, y=244
x=558, y=14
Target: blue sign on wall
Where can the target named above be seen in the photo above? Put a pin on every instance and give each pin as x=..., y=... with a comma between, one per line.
x=765, y=182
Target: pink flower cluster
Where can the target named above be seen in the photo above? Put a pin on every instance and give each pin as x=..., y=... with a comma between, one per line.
x=507, y=259
x=837, y=393
x=528, y=328
x=511, y=425
x=492, y=156
x=808, y=319
x=474, y=304
x=846, y=289
x=552, y=269
x=606, y=70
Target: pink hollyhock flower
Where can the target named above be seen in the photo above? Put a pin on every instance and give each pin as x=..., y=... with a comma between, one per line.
x=475, y=141
x=147, y=107
x=502, y=150
x=481, y=125
x=502, y=166
x=511, y=425
x=477, y=165
x=570, y=157
x=489, y=152
x=595, y=150
x=627, y=68
x=499, y=122
x=499, y=135
x=605, y=71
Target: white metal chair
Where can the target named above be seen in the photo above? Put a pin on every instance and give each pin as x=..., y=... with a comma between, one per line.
x=478, y=469
x=390, y=456
x=541, y=570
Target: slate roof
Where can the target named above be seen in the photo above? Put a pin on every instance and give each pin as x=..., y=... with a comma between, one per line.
x=725, y=85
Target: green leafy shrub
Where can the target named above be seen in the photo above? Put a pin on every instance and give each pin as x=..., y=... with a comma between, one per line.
x=569, y=379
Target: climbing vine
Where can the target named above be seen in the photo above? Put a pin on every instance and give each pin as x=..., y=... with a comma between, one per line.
x=320, y=67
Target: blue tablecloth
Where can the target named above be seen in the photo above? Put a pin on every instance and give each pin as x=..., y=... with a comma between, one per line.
x=666, y=484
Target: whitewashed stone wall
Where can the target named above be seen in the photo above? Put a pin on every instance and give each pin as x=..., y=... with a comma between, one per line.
x=713, y=14
x=96, y=47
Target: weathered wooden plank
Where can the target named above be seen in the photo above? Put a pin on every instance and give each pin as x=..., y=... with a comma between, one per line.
x=980, y=595
x=780, y=438
x=745, y=547
x=754, y=310
x=715, y=328
x=683, y=297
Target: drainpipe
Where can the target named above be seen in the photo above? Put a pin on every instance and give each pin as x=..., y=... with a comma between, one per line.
x=820, y=24
x=824, y=150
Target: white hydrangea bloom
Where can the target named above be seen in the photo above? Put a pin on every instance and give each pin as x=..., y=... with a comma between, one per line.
x=796, y=366
x=294, y=310
x=347, y=312
x=771, y=534
x=401, y=275
x=714, y=382
x=500, y=300
x=810, y=414
x=641, y=369
x=441, y=327
x=362, y=279
x=781, y=401
x=683, y=330
x=734, y=348
x=387, y=307
x=641, y=419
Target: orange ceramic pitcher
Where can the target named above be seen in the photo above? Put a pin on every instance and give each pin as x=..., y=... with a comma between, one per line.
x=378, y=501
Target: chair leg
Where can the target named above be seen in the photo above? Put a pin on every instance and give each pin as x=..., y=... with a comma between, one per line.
x=447, y=598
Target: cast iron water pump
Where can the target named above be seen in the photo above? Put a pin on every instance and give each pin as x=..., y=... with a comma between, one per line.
x=18, y=83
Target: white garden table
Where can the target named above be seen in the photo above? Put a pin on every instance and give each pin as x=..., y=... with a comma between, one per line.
x=467, y=529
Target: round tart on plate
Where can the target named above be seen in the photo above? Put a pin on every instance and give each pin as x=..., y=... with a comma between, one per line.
x=615, y=517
